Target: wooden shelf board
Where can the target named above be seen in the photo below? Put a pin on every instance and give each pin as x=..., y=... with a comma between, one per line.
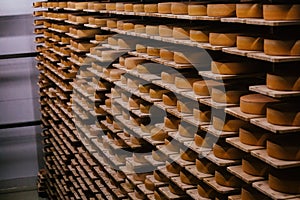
x=219, y=188
x=199, y=175
x=263, y=89
x=223, y=134
x=211, y=103
x=238, y=172
x=221, y=162
x=235, y=141
x=236, y=112
x=182, y=186
x=193, y=193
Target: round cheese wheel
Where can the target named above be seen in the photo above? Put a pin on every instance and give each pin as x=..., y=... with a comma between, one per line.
x=169, y=99
x=144, y=88
x=145, y=108
x=223, y=39
x=156, y=93
x=195, y=9
x=206, y=191
x=146, y=128
x=132, y=62
x=139, y=28
x=232, y=68
x=171, y=146
x=108, y=102
x=180, y=58
x=111, y=23
x=179, y=8
x=227, y=152
x=167, y=77
x=152, y=30
x=248, y=10
x=152, y=51
x=158, y=156
x=138, y=7
x=283, y=81
x=140, y=176
x=284, y=114
x=188, y=155
x=204, y=87
x=250, y=43
x=120, y=6
x=175, y=189
x=185, y=107
x=181, y=33
x=110, y=6
x=124, y=97
x=128, y=26
x=109, y=120
x=151, y=8
x=205, y=166
x=166, y=55
x=131, y=83
x=228, y=96
x=140, y=48
x=284, y=148
x=160, y=177
x=158, y=134
x=123, y=80
x=199, y=36
x=252, y=194
x=254, y=166
x=281, y=12
x=187, y=131
x=134, y=103
x=139, y=157
x=252, y=135
x=164, y=8
x=185, y=83
x=171, y=122
x=139, y=195
x=221, y=10
x=188, y=178
x=255, y=104
x=165, y=31
x=128, y=7
x=173, y=167
x=202, y=115
x=226, y=179
x=115, y=74
x=206, y=142
x=99, y=6
x=149, y=184
x=135, y=140
x=229, y=125
x=282, y=47
x=285, y=180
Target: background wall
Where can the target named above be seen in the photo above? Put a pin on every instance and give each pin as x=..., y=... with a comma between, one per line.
x=15, y=7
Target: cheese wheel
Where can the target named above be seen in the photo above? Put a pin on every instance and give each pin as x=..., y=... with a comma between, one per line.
x=252, y=194
x=252, y=135
x=202, y=115
x=285, y=180
x=223, y=39
x=195, y=9
x=185, y=83
x=110, y=6
x=175, y=189
x=156, y=93
x=100, y=22
x=179, y=8
x=206, y=142
x=132, y=62
x=111, y=23
x=164, y=8
x=119, y=6
x=124, y=97
x=283, y=81
x=221, y=10
x=284, y=114
x=181, y=33
x=206, y=191
x=158, y=134
x=139, y=28
x=188, y=155
x=171, y=146
x=146, y=128
x=144, y=88
x=187, y=131
x=229, y=96
x=109, y=119
x=108, y=102
x=145, y=108
x=204, y=87
x=199, y=36
x=250, y=43
x=152, y=30
x=281, y=12
x=149, y=184
x=140, y=176
x=81, y=5
x=254, y=166
x=168, y=77
x=132, y=83
x=159, y=177
x=115, y=74
x=180, y=58
x=151, y=8
x=134, y=103
x=135, y=140
x=128, y=7
x=128, y=26
x=140, y=48
x=165, y=31
x=205, y=166
x=152, y=51
x=286, y=148
x=139, y=157
x=101, y=37
x=282, y=47
x=248, y=10
x=169, y=99
x=173, y=167
x=138, y=7
x=139, y=195
x=229, y=125
x=255, y=104
x=227, y=180
x=188, y=178
x=166, y=55
x=124, y=80
x=99, y=6
x=86, y=33
x=171, y=122
x=186, y=107
x=227, y=152
x=156, y=155
x=120, y=24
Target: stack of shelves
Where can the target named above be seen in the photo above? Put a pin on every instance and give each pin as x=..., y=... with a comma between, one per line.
x=160, y=107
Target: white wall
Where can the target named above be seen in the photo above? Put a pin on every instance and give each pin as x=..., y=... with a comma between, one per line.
x=15, y=7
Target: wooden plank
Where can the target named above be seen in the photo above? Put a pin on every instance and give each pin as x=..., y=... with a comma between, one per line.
x=177, y=159
x=179, y=138
x=236, y=112
x=263, y=22
x=182, y=185
x=238, y=172
x=263, y=89
x=274, y=59
x=235, y=141
x=153, y=162
x=263, y=123
x=233, y=20
x=219, y=188
x=144, y=190
x=192, y=95
x=165, y=172
x=235, y=197
x=221, y=162
x=193, y=170
x=198, y=149
x=280, y=164
x=236, y=51
x=169, y=195
x=191, y=120
x=193, y=193
x=211, y=103
x=222, y=134
x=210, y=74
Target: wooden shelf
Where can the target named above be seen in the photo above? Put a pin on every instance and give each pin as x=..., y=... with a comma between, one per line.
x=222, y=134
x=235, y=141
x=263, y=89
x=211, y=75
x=263, y=123
x=236, y=112
x=261, y=22
x=195, y=195
x=216, y=105
x=221, y=162
x=247, y=178
x=221, y=189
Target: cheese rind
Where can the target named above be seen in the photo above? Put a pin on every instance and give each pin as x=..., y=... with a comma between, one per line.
x=286, y=181
x=164, y=8
x=282, y=47
x=255, y=104
x=199, y=36
x=226, y=179
x=249, y=10
x=284, y=114
x=253, y=136
x=221, y=10
x=223, y=39
x=181, y=33
x=284, y=149
x=250, y=43
x=283, y=81
x=202, y=115
x=179, y=8
x=195, y=9
x=232, y=68
x=132, y=62
x=229, y=125
x=281, y=12
x=227, y=152
x=227, y=96
x=254, y=166
x=185, y=83
x=151, y=8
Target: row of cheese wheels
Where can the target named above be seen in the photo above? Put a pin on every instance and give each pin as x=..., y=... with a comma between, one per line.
x=268, y=12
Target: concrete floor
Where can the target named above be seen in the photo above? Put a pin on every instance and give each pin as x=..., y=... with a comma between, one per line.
x=21, y=195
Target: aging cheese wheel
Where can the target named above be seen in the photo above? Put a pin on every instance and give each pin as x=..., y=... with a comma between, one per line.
x=168, y=77
x=180, y=58
x=285, y=180
x=171, y=146
x=188, y=155
x=185, y=83
x=166, y=55
x=186, y=130
x=111, y=23
x=135, y=140
x=223, y=39
x=199, y=36
x=123, y=79
x=147, y=128
x=101, y=37
x=149, y=184
x=108, y=102
x=158, y=134
x=138, y=7
x=204, y=87
x=175, y=189
x=205, y=166
x=119, y=6
x=252, y=135
x=128, y=7
x=132, y=62
x=171, y=122
x=156, y=155
x=283, y=81
x=140, y=48
x=255, y=104
x=134, y=103
x=100, y=22
x=140, y=176
x=110, y=6
x=226, y=179
x=188, y=178
x=115, y=74
x=152, y=51
x=249, y=10
x=252, y=194
x=284, y=114
x=99, y=6
x=254, y=166
x=202, y=115
x=281, y=12
x=284, y=148
x=164, y=8
x=152, y=30
x=229, y=125
x=282, y=47
x=227, y=152
x=165, y=31
x=139, y=157
x=156, y=93
x=221, y=10
x=144, y=88
x=195, y=9
x=132, y=83
x=181, y=33
x=159, y=177
x=139, y=195
x=203, y=141
x=229, y=96
x=124, y=97
x=139, y=28
x=81, y=5
x=150, y=8
x=206, y=191
x=186, y=106
x=169, y=99
x=128, y=26
x=179, y=8
x=173, y=167
x=250, y=43
x=145, y=108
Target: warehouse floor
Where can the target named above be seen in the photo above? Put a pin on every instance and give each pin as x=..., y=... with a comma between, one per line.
x=21, y=195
